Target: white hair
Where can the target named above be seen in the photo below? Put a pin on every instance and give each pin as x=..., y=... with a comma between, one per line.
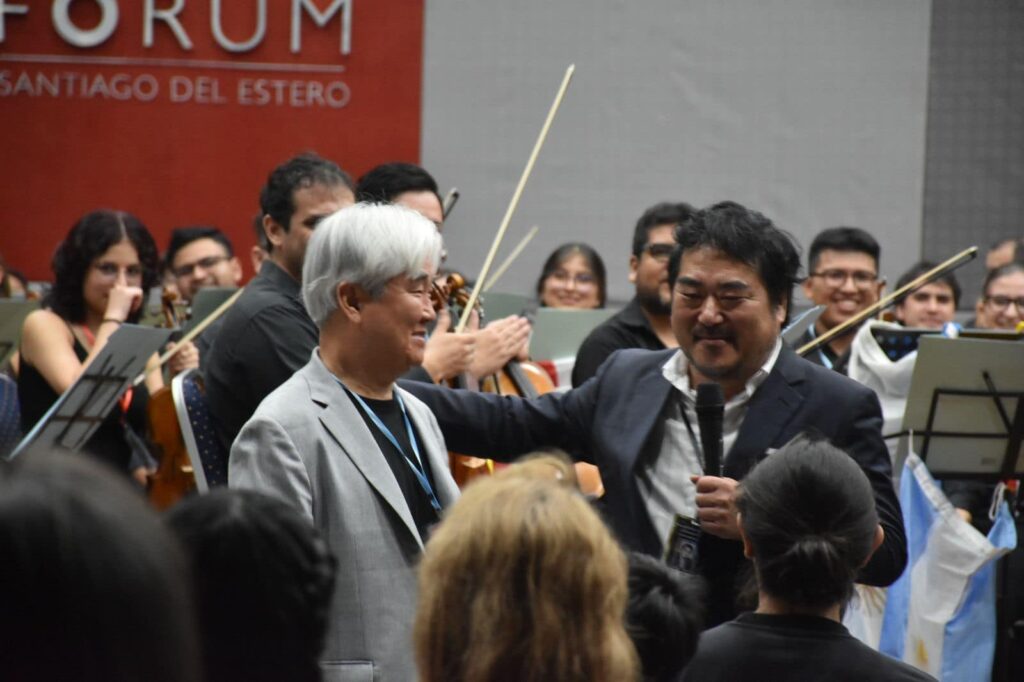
x=367, y=245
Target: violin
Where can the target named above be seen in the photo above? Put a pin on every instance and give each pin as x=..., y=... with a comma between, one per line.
x=174, y=477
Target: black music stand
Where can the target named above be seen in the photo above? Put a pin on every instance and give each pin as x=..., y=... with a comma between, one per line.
x=76, y=415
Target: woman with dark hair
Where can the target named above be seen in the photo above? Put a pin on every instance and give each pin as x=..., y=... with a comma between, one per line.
x=103, y=271
x=93, y=587
x=572, y=277
x=807, y=519
x=522, y=581
x=263, y=579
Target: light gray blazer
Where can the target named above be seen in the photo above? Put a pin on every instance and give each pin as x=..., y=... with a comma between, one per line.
x=308, y=444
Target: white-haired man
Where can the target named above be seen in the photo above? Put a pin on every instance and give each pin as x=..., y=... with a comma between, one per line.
x=363, y=459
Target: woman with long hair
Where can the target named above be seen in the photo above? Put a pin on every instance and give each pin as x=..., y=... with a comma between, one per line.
x=522, y=581
x=573, y=276
x=808, y=521
x=103, y=271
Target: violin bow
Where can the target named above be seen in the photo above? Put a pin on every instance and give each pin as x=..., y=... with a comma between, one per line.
x=942, y=268
x=505, y=264
x=515, y=198
x=449, y=202
x=196, y=331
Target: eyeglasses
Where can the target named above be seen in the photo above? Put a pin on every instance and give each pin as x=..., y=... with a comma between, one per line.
x=1003, y=302
x=862, y=279
x=583, y=280
x=659, y=252
x=111, y=270
x=204, y=263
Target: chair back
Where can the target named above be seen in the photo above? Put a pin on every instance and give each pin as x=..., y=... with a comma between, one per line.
x=209, y=460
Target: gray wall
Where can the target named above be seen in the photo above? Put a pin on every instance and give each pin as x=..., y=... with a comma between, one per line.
x=812, y=111
x=974, y=188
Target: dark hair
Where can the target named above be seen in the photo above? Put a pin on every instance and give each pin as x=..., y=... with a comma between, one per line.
x=89, y=239
x=664, y=616
x=264, y=580
x=386, y=181
x=843, y=239
x=592, y=258
x=92, y=586
x=745, y=236
x=809, y=512
x=1000, y=272
x=664, y=213
x=183, y=236
x=921, y=267
x=277, y=198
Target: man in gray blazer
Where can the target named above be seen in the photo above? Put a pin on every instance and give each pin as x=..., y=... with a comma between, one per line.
x=362, y=458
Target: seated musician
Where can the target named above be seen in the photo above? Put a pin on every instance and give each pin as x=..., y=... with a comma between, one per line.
x=842, y=275
x=573, y=276
x=103, y=271
x=732, y=275
x=362, y=459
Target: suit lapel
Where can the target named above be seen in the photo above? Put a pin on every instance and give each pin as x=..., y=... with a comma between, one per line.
x=341, y=417
x=771, y=408
x=643, y=414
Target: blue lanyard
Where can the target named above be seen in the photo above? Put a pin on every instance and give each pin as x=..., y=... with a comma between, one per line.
x=821, y=351
x=417, y=466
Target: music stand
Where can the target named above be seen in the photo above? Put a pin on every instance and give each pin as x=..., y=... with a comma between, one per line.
x=80, y=410
x=12, y=317
x=966, y=408
x=205, y=302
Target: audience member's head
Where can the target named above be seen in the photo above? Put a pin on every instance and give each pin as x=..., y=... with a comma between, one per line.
x=263, y=581
x=201, y=256
x=930, y=306
x=663, y=617
x=1004, y=252
x=808, y=520
x=93, y=587
x=573, y=276
x=299, y=194
x=12, y=282
x=1001, y=305
x=102, y=248
x=405, y=184
x=522, y=581
x=552, y=465
x=653, y=244
x=842, y=273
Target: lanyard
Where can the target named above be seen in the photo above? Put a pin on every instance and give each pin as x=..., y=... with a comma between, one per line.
x=417, y=466
x=821, y=351
x=125, y=401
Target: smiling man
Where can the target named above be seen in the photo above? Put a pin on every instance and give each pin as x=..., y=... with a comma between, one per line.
x=266, y=336
x=644, y=322
x=842, y=275
x=733, y=273
x=361, y=458
x=201, y=256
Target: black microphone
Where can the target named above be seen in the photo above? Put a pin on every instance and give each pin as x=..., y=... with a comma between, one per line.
x=710, y=406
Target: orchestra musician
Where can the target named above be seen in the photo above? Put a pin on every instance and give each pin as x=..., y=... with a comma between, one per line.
x=842, y=275
x=732, y=273
x=267, y=334
x=103, y=271
x=644, y=322
x=363, y=460
x=573, y=276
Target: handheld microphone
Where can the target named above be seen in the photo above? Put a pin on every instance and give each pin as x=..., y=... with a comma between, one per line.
x=710, y=407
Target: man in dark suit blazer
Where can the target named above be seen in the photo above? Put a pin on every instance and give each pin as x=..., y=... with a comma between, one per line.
x=732, y=281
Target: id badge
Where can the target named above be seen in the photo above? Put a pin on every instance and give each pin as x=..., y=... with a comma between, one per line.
x=682, y=546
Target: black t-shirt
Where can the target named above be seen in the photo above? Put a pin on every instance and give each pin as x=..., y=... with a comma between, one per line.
x=390, y=413
x=758, y=646
x=628, y=328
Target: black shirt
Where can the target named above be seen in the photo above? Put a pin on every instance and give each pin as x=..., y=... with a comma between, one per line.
x=758, y=646
x=628, y=328
x=824, y=355
x=266, y=336
x=390, y=413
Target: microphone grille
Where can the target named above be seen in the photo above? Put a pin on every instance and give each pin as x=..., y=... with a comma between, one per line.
x=710, y=393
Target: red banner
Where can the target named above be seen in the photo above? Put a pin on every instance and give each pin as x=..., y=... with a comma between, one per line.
x=176, y=110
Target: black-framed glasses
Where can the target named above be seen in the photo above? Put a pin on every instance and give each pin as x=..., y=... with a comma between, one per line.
x=862, y=279
x=204, y=263
x=1003, y=302
x=659, y=251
